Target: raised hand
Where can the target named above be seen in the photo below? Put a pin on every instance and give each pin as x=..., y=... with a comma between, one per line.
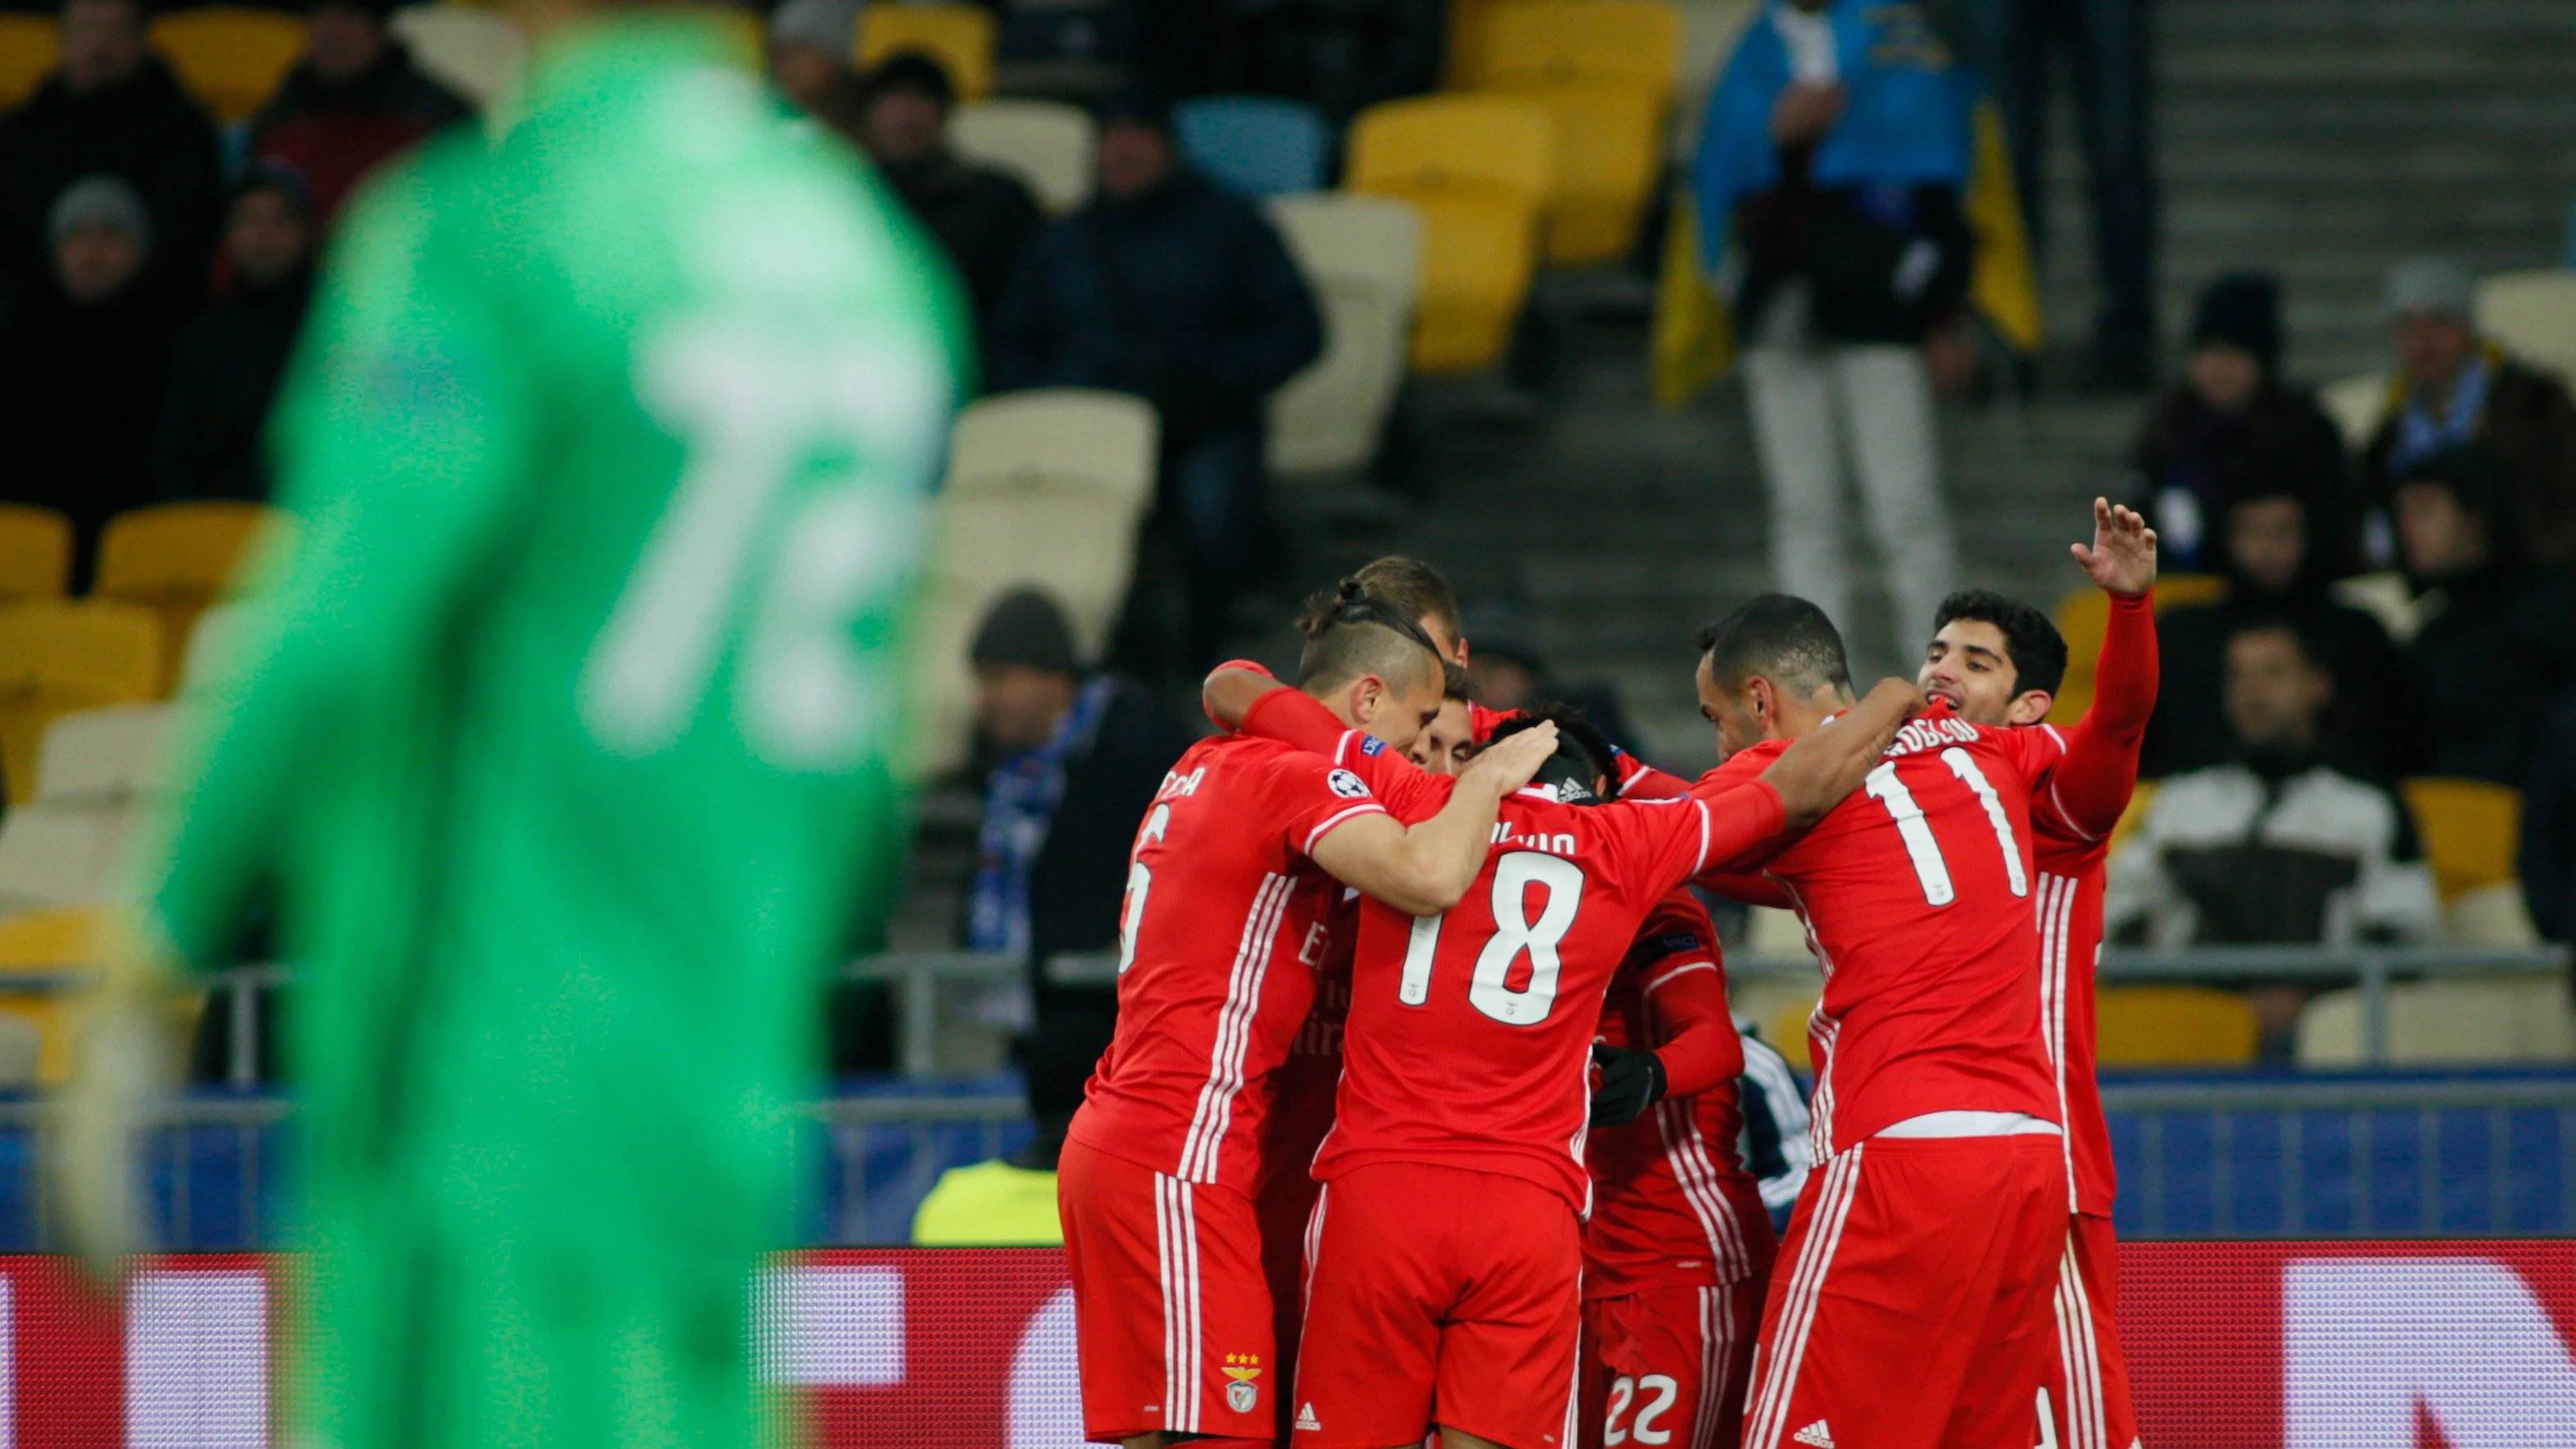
x=2122, y=559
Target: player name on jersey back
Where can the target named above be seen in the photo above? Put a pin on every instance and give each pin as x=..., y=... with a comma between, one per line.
x=1917, y=893
x=1224, y=924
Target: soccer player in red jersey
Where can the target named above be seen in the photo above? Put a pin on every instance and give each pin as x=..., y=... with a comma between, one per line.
x=1678, y=1249
x=1222, y=928
x=1928, y=1236
x=1998, y=661
x=1444, y=1253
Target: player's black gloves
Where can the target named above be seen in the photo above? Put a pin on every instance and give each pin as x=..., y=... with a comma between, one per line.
x=1631, y=1081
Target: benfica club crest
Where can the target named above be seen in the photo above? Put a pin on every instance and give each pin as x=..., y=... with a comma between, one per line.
x=1243, y=1394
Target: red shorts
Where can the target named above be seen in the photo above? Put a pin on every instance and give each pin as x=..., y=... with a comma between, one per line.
x=2088, y=1379
x=1439, y=1295
x=1171, y=1315
x=1909, y=1304
x=1668, y=1366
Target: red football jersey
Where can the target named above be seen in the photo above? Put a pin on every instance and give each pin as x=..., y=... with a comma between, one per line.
x=1918, y=897
x=1672, y=1205
x=1225, y=921
x=1470, y=1032
x=2069, y=899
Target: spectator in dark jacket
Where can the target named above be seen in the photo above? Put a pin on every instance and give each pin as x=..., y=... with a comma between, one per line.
x=1168, y=286
x=2454, y=390
x=983, y=218
x=2499, y=636
x=111, y=108
x=2546, y=860
x=2232, y=423
x=2278, y=569
x=352, y=101
x=225, y=369
x=81, y=367
x=1076, y=762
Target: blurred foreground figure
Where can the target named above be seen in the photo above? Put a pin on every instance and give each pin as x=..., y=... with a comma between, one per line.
x=561, y=729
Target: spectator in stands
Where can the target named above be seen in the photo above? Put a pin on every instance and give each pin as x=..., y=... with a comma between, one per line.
x=354, y=100
x=2233, y=423
x=2546, y=857
x=813, y=49
x=1168, y=286
x=1339, y=58
x=2498, y=640
x=2106, y=43
x=227, y=364
x=2278, y=567
x=1075, y=763
x=81, y=366
x=1829, y=172
x=1011, y=1201
x=110, y=108
x=2281, y=845
x=1508, y=671
x=983, y=218
x=2454, y=389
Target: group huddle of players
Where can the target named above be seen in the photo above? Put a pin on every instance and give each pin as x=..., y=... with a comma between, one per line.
x=1421, y=1112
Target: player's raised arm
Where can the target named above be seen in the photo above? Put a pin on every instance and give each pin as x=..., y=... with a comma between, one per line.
x=1828, y=763
x=1423, y=869
x=2091, y=785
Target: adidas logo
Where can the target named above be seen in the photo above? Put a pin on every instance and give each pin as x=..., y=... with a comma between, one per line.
x=1816, y=1434
x=1306, y=1417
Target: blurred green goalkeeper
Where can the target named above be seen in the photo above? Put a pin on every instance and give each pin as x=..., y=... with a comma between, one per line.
x=563, y=735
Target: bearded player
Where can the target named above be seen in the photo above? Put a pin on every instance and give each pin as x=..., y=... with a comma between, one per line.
x=1235, y=869
x=1443, y=1257
x=1930, y=1236
x=1998, y=661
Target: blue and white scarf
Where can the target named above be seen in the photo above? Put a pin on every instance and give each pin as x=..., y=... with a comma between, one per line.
x=1020, y=800
x=2420, y=435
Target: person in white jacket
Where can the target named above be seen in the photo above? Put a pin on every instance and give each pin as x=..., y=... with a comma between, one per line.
x=2280, y=845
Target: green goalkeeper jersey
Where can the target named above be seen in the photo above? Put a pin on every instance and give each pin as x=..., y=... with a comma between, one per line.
x=563, y=722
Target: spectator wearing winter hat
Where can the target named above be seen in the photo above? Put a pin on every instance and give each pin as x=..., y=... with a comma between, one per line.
x=813, y=48
x=1170, y=287
x=82, y=363
x=984, y=218
x=111, y=108
x=2454, y=389
x=2232, y=424
x=225, y=369
x=2497, y=643
x=354, y=100
x=1074, y=762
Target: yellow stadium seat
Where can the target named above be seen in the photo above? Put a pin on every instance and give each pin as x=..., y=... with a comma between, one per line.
x=229, y=56
x=2533, y=314
x=2141, y=800
x=1607, y=140
x=1632, y=45
x=1469, y=23
x=959, y=37
x=176, y=559
x=2469, y=829
x=57, y=657
x=28, y=49
x=2083, y=615
x=1478, y=168
x=53, y=943
x=35, y=553
x=2171, y=1026
x=744, y=39
x=1786, y=1031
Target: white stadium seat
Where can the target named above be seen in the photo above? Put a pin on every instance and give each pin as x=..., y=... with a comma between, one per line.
x=478, y=53
x=1363, y=257
x=1047, y=144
